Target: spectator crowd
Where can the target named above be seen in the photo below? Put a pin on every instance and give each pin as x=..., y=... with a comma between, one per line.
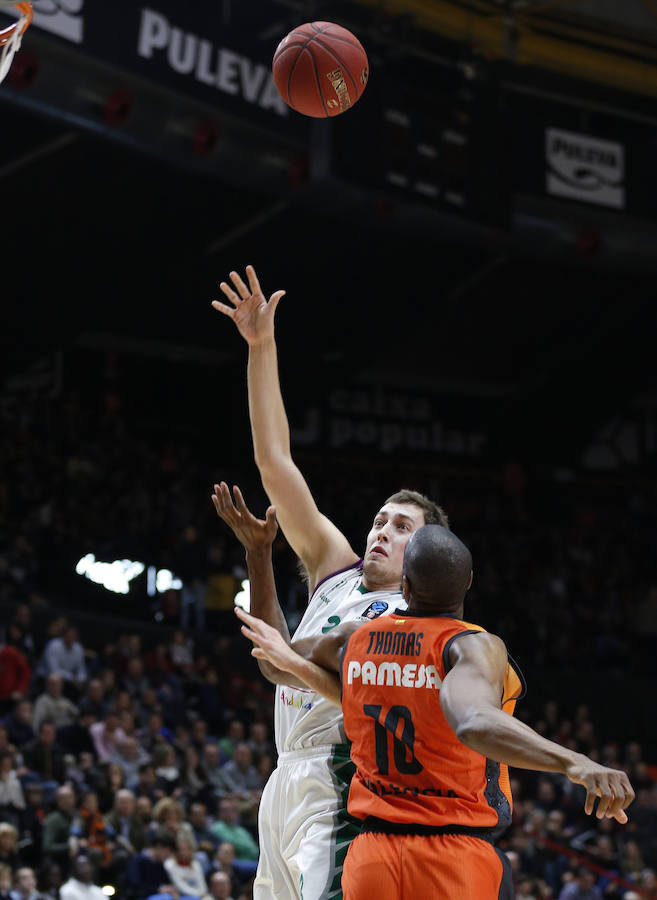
x=112, y=774
x=132, y=758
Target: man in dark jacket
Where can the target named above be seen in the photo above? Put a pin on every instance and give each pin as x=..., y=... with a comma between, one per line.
x=57, y=828
x=125, y=827
x=19, y=723
x=43, y=755
x=146, y=874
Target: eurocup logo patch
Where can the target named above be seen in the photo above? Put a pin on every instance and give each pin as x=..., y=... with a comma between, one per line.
x=61, y=17
x=374, y=610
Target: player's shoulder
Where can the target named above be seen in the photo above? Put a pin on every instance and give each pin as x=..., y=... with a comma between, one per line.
x=475, y=645
x=344, y=578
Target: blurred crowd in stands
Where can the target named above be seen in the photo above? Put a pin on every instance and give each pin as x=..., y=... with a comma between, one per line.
x=115, y=770
x=132, y=756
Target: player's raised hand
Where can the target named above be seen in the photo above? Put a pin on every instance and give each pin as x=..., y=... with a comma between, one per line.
x=612, y=786
x=251, y=532
x=250, y=311
x=268, y=643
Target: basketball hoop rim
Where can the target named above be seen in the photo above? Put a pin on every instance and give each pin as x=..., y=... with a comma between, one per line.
x=20, y=25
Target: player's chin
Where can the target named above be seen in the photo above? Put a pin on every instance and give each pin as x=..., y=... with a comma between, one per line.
x=376, y=564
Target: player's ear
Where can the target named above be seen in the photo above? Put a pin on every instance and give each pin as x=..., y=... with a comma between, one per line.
x=405, y=588
x=470, y=580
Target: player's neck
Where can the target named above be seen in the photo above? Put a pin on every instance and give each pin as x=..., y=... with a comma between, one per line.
x=426, y=609
x=371, y=585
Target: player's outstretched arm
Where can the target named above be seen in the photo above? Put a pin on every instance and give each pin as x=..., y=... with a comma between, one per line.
x=314, y=661
x=257, y=537
x=317, y=542
x=470, y=699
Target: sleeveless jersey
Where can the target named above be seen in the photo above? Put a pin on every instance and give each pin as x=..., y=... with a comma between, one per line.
x=302, y=718
x=411, y=768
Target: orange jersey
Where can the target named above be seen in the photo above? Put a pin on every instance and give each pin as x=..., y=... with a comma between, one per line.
x=411, y=768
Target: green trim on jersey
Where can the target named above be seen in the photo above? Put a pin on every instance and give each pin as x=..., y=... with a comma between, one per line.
x=347, y=827
x=362, y=589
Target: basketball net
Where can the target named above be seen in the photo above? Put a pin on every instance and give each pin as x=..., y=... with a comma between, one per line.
x=12, y=35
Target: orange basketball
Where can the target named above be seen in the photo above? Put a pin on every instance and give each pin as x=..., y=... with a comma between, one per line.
x=320, y=69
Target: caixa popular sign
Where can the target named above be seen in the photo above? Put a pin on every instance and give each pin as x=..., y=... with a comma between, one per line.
x=199, y=49
x=384, y=422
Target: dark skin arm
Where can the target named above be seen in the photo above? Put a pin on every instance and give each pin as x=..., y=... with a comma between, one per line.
x=317, y=669
x=470, y=699
x=257, y=536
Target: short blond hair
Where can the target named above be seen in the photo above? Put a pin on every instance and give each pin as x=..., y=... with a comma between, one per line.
x=6, y=828
x=164, y=806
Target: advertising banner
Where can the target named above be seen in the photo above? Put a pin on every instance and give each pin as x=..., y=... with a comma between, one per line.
x=585, y=168
x=602, y=160
x=203, y=50
x=390, y=422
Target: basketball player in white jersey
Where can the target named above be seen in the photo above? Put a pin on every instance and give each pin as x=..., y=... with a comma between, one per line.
x=303, y=823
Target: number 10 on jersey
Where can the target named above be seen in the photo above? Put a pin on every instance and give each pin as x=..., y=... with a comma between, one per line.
x=401, y=746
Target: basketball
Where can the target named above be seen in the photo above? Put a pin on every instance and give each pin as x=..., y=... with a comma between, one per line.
x=320, y=69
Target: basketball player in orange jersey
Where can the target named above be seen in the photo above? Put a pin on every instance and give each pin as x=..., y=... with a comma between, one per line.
x=428, y=702
x=302, y=822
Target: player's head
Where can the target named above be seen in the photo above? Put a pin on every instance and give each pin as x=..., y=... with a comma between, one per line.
x=433, y=514
x=437, y=570
x=399, y=517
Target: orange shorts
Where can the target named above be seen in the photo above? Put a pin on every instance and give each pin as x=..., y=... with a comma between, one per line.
x=426, y=867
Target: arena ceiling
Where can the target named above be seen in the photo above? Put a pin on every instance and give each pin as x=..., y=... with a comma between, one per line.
x=108, y=246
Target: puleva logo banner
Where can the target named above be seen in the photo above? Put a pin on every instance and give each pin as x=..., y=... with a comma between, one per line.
x=585, y=168
x=61, y=17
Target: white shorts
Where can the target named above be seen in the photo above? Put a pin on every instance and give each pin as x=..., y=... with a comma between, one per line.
x=304, y=827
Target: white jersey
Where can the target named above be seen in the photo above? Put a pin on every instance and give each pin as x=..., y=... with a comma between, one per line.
x=302, y=718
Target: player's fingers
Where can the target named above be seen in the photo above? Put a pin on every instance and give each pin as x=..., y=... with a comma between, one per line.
x=239, y=501
x=219, y=500
x=620, y=800
x=222, y=308
x=627, y=787
x=259, y=653
x=243, y=614
x=606, y=798
x=247, y=632
x=256, y=626
x=219, y=503
x=254, y=284
x=270, y=517
x=621, y=817
x=226, y=499
x=591, y=795
x=273, y=301
x=230, y=293
x=224, y=506
x=625, y=790
x=242, y=289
